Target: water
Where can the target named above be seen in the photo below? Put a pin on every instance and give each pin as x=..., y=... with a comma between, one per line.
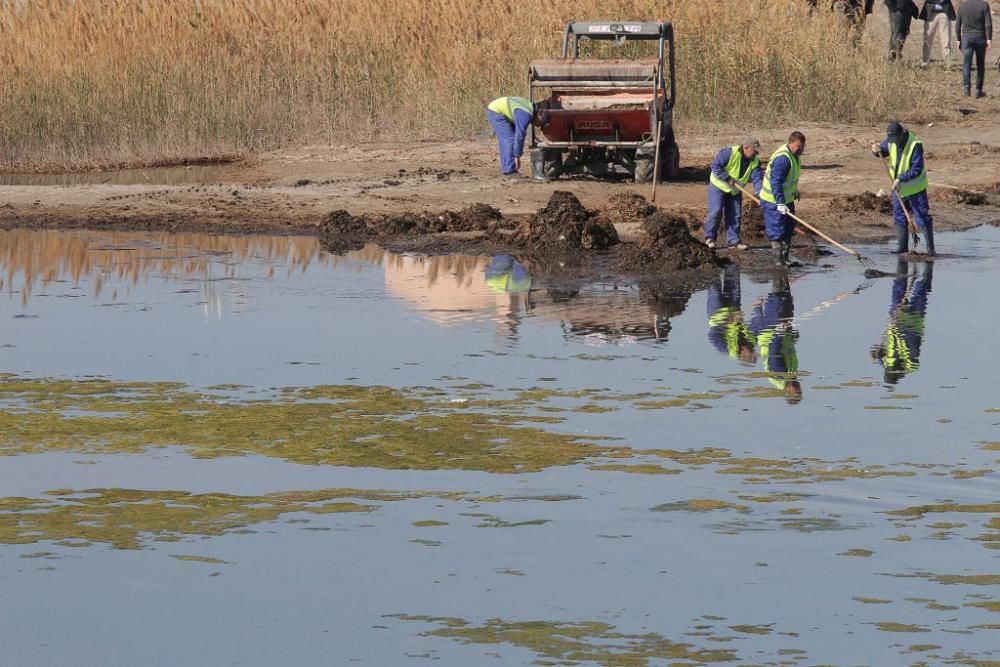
x=285, y=456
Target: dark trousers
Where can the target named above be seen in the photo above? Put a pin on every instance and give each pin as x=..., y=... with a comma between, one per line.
x=899, y=29
x=973, y=46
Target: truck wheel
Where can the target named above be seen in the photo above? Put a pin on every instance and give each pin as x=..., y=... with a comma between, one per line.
x=546, y=164
x=643, y=170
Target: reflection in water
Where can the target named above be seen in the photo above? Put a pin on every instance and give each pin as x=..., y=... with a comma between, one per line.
x=728, y=330
x=899, y=352
x=112, y=261
x=771, y=323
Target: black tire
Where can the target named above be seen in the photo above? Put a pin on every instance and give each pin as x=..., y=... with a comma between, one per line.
x=643, y=170
x=552, y=164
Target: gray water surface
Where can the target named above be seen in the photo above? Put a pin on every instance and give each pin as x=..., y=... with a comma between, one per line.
x=811, y=482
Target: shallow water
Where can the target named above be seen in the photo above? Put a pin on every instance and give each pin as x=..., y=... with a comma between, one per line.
x=272, y=454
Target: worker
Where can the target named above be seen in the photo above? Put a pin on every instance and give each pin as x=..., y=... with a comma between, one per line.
x=779, y=193
x=937, y=16
x=899, y=352
x=771, y=323
x=909, y=173
x=732, y=166
x=510, y=118
x=974, y=30
x=728, y=330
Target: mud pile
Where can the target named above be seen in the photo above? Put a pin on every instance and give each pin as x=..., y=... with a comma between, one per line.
x=341, y=231
x=564, y=225
x=625, y=208
x=752, y=224
x=965, y=197
x=866, y=203
x=667, y=246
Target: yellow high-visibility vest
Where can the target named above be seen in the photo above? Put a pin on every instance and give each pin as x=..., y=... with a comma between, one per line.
x=790, y=187
x=506, y=106
x=900, y=164
x=733, y=169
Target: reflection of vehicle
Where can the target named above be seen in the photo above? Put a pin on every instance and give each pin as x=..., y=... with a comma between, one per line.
x=603, y=113
x=899, y=352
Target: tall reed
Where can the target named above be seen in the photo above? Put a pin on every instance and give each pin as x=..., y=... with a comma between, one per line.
x=88, y=83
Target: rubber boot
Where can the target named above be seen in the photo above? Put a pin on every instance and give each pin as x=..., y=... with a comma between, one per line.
x=902, y=240
x=786, y=247
x=929, y=239
x=776, y=251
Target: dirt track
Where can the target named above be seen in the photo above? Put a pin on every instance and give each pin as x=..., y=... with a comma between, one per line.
x=292, y=192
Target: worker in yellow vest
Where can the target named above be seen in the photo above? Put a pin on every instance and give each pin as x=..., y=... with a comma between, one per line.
x=779, y=193
x=510, y=118
x=733, y=166
x=909, y=172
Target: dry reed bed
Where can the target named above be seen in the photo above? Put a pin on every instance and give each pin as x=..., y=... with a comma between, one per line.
x=133, y=81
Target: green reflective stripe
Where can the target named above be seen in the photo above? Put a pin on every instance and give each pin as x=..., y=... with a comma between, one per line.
x=721, y=316
x=896, y=349
x=787, y=352
x=900, y=164
x=734, y=332
x=733, y=169
x=506, y=106
x=791, y=185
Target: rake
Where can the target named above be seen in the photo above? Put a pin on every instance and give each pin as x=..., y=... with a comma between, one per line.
x=871, y=270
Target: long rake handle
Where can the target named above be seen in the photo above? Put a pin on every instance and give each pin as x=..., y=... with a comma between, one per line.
x=906, y=212
x=656, y=159
x=805, y=224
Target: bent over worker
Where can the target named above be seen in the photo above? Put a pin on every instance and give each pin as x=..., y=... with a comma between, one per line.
x=728, y=330
x=510, y=118
x=778, y=195
x=735, y=165
x=909, y=173
x=771, y=323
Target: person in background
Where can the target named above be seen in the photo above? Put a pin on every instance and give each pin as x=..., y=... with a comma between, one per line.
x=937, y=16
x=852, y=13
x=974, y=29
x=732, y=166
x=510, y=118
x=899, y=352
x=901, y=14
x=779, y=193
x=909, y=172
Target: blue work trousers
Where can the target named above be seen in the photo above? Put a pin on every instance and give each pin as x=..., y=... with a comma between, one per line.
x=778, y=227
x=920, y=208
x=723, y=205
x=504, y=129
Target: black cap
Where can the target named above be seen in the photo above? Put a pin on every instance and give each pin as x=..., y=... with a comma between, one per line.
x=894, y=131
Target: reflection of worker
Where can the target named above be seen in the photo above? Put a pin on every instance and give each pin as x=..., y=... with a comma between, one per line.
x=899, y=352
x=504, y=274
x=906, y=166
x=778, y=195
x=510, y=118
x=772, y=324
x=727, y=329
x=731, y=166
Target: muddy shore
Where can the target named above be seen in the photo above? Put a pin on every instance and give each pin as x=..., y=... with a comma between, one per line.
x=421, y=197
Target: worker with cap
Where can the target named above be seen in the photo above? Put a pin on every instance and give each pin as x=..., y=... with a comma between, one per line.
x=779, y=193
x=909, y=173
x=899, y=352
x=733, y=166
x=510, y=118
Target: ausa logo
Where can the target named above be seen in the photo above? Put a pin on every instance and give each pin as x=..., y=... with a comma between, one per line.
x=593, y=125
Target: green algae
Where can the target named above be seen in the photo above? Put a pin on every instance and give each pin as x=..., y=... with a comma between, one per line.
x=864, y=600
x=497, y=522
x=988, y=605
x=889, y=626
x=701, y=505
x=858, y=553
x=752, y=629
x=640, y=469
x=199, y=559
x=344, y=425
x=429, y=523
x=573, y=642
x=131, y=518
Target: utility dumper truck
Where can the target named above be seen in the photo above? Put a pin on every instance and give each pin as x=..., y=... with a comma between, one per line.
x=606, y=116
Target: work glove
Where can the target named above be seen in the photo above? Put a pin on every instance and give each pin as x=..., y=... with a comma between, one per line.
x=876, y=150
x=782, y=209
